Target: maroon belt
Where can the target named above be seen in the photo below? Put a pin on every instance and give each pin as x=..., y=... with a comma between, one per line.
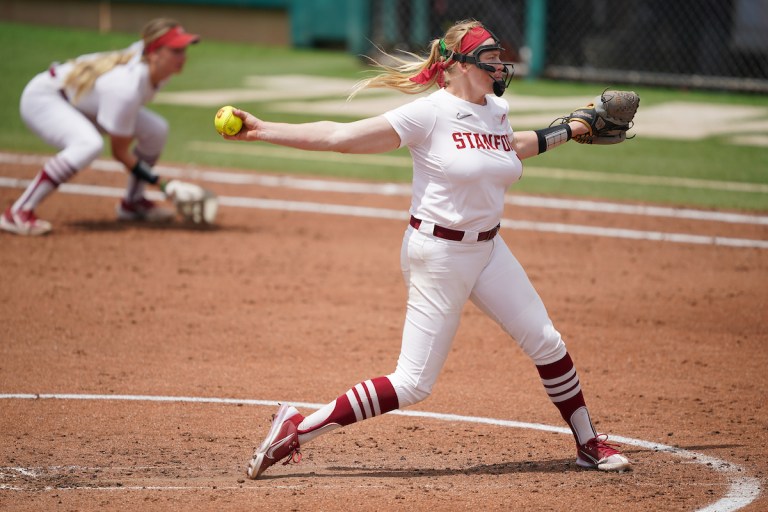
x=455, y=234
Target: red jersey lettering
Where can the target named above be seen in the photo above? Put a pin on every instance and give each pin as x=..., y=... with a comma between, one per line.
x=481, y=141
x=460, y=144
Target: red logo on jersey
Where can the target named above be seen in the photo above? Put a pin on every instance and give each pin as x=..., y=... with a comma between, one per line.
x=471, y=140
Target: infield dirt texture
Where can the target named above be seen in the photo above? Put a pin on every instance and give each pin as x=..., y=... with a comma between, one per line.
x=277, y=305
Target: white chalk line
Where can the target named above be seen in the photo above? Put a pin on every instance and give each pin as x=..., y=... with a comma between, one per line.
x=384, y=213
x=535, y=172
x=742, y=489
x=402, y=189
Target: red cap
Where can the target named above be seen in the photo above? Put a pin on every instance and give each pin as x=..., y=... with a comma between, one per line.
x=173, y=38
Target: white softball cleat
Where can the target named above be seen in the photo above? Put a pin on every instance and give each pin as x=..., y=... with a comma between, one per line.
x=143, y=210
x=599, y=454
x=23, y=223
x=281, y=442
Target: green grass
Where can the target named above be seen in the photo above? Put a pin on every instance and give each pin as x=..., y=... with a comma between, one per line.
x=26, y=50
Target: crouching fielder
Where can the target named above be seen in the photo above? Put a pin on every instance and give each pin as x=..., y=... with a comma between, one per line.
x=70, y=106
x=465, y=155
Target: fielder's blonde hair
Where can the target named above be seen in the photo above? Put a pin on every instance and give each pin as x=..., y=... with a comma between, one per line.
x=398, y=75
x=86, y=71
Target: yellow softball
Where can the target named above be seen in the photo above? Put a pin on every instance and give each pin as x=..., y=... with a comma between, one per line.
x=226, y=122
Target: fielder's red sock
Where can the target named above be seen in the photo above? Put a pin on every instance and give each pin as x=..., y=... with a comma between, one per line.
x=40, y=188
x=366, y=400
x=561, y=382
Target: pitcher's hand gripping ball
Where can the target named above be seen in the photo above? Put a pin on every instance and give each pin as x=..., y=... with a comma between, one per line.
x=608, y=117
x=194, y=203
x=226, y=122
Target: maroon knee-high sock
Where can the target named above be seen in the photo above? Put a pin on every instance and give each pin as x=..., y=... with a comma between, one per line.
x=366, y=400
x=561, y=382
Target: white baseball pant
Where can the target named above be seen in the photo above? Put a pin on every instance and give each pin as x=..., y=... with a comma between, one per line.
x=440, y=276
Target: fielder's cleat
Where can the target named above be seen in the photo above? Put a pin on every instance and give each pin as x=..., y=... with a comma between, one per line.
x=23, y=223
x=281, y=442
x=599, y=454
x=143, y=210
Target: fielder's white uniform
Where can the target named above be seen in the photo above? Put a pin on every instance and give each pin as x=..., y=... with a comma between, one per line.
x=115, y=105
x=462, y=165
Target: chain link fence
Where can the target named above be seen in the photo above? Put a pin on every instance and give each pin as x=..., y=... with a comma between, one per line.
x=709, y=44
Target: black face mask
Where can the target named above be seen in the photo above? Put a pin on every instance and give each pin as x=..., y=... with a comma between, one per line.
x=500, y=85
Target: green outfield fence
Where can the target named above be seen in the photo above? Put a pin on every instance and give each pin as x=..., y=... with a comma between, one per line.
x=707, y=44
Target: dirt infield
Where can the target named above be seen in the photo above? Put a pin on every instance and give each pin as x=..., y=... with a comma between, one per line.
x=272, y=305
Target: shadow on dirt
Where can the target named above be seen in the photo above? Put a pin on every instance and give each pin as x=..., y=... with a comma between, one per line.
x=505, y=468
x=113, y=226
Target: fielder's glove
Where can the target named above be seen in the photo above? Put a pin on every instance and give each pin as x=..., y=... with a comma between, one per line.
x=194, y=203
x=608, y=117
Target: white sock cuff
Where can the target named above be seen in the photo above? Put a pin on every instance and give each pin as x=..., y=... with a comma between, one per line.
x=582, y=425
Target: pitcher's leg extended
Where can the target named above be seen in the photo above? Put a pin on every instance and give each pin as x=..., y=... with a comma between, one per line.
x=505, y=293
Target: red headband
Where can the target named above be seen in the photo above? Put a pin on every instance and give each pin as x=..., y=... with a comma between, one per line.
x=173, y=38
x=471, y=40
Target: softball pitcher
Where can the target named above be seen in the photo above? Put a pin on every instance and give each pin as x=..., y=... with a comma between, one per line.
x=71, y=105
x=465, y=156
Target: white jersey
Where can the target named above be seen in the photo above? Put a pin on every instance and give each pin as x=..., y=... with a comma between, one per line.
x=117, y=96
x=463, y=161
